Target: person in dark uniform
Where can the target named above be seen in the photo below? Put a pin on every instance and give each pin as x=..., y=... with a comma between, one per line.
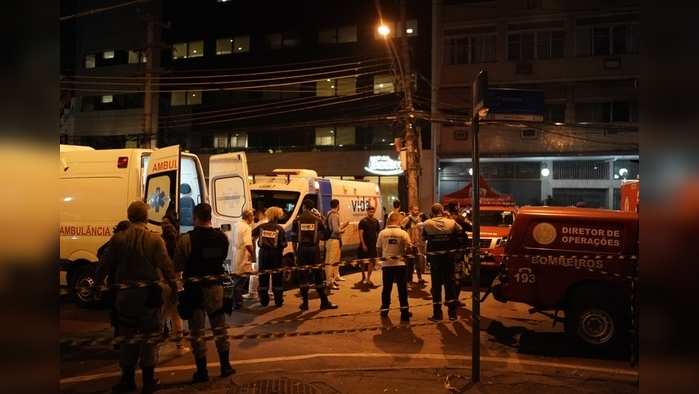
x=368, y=228
x=272, y=240
x=441, y=233
x=201, y=252
x=306, y=237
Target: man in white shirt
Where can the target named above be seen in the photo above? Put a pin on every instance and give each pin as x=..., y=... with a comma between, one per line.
x=394, y=241
x=333, y=246
x=242, y=256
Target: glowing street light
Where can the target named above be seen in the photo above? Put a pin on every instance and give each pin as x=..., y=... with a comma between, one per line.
x=384, y=30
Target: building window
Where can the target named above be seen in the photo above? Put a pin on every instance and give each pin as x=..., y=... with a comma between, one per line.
x=471, y=49
x=535, y=45
x=580, y=169
x=607, y=40
x=345, y=136
x=184, y=97
x=108, y=54
x=606, y=112
x=384, y=83
x=107, y=99
x=184, y=50
x=221, y=141
x=336, y=87
x=325, y=136
x=224, y=46
x=136, y=57
x=239, y=140
x=555, y=113
x=241, y=44
x=340, y=35
x=290, y=40
x=90, y=61
x=326, y=88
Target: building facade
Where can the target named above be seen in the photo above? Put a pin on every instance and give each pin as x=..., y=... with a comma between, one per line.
x=584, y=56
x=304, y=84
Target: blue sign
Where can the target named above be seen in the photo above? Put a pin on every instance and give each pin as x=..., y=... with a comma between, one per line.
x=515, y=104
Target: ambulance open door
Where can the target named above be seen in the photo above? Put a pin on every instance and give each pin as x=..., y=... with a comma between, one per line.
x=229, y=191
x=162, y=190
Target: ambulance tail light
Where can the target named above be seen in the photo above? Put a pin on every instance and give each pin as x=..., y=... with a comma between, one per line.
x=122, y=162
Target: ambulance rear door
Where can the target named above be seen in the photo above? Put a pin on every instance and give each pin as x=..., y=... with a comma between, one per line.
x=229, y=190
x=162, y=189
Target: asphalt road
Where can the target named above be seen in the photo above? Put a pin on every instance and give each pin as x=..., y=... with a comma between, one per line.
x=370, y=354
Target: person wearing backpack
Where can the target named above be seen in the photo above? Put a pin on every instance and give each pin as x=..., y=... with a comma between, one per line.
x=201, y=252
x=272, y=240
x=333, y=245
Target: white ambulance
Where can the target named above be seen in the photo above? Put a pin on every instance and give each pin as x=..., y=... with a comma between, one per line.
x=288, y=188
x=96, y=187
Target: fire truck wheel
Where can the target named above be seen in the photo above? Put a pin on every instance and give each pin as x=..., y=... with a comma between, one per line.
x=595, y=320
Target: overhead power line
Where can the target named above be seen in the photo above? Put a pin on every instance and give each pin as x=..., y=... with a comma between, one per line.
x=98, y=10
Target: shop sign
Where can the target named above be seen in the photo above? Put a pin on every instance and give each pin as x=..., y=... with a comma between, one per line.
x=383, y=165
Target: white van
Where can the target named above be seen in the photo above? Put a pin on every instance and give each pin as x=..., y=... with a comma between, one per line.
x=96, y=187
x=288, y=188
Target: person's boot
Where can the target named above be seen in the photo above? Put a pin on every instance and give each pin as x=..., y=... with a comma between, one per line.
x=150, y=383
x=384, y=311
x=437, y=313
x=325, y=302
x=264, y=297
x=202, y=374
x=405, y=315
x=278, y=298
x=127, y=383
x=226, y=369
x=304, y=303
x=452, y=311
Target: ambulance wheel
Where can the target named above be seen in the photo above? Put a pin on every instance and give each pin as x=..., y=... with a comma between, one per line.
x=595, y=319
x=83, y=283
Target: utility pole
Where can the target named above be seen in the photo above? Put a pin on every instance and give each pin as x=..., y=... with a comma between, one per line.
x=412, y=154
x=151, y=96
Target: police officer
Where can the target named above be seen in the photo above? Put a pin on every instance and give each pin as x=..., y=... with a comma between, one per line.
x=441, y=234
x=272, y=240
x=306, y=235
x=202, y=252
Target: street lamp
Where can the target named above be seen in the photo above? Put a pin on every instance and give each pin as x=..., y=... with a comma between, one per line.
x=384, y=30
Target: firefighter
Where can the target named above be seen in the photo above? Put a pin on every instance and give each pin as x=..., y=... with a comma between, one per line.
x=306, y=237
x=272, y=241
x=441, y=233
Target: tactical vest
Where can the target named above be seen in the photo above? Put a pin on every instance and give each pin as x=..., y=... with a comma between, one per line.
x=209, y=250
x=437, y=242
x=269, y=236
x=308, y=230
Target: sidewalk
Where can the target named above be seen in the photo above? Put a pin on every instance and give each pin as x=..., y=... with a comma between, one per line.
x=412, y=380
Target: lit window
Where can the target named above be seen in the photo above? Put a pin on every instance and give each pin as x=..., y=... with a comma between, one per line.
x=326, y=88
x=178, y=98
x=241, y=44
x=239, y=140
x=345, y=136
x=224, y=46
x=383, y=84
x=108, y=54
x=347, y=34
x=179, y=50
x=89, y=61
x=107, y=99
x=327, y=36
x=195, y=49
x=194, y=97
x=221, y=141
x=184, y=50
x=325, y=136
x=346, y=86
x=137, y=57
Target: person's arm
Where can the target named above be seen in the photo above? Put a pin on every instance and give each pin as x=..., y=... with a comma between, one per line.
x=361, y=236
x=379, y=241
x=182, y=251
x=107, y=263
x=247, y=241
x=282, y=242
